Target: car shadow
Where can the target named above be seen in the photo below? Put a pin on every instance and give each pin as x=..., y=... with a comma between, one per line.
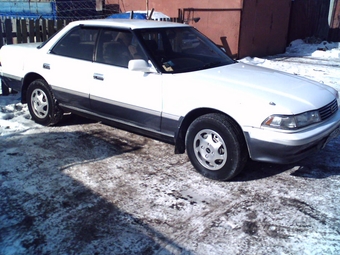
x=255, y=170
x=44, y=210
x=323, y=164
x=73, y=119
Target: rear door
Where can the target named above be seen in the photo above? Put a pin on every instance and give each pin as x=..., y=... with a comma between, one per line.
x=68, y=67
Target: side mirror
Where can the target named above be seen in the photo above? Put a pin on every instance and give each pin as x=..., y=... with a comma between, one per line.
x=141, y=65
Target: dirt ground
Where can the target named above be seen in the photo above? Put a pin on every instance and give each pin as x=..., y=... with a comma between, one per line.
x=86, y=188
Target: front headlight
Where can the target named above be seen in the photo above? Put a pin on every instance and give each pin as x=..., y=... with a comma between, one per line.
x=338, y=98
x=290, y=122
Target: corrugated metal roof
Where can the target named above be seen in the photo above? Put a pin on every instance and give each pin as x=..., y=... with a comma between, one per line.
x=27, y=9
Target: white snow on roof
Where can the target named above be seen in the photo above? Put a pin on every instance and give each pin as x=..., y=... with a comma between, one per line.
x=129, y=23
x=155, y=15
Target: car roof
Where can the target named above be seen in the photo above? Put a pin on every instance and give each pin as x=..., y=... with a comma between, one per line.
x=128, y=23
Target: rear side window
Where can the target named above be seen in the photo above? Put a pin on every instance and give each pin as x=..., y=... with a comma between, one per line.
x=78, y=43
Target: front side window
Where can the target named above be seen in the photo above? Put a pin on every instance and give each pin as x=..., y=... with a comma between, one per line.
x=79, y=43
x=176, y=50
x=118, y=47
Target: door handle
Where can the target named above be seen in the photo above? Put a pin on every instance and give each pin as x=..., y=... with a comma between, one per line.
x=46, y=66
x=98, y=76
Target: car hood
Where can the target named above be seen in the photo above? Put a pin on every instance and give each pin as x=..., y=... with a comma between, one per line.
x=290, y=94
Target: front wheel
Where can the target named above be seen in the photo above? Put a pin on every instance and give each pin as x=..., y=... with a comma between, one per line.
x=216, y=146
x=41, y=103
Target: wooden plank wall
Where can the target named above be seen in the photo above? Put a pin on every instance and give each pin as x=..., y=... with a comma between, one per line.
x=264, y=27
x=28, y=30
x=334, y=30
x=310, y=18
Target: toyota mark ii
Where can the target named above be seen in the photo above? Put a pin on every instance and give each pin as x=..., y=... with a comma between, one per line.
x=169, y=82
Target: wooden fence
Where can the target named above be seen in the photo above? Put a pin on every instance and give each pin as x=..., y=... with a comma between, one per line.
x=28, y=30
x=315, y=18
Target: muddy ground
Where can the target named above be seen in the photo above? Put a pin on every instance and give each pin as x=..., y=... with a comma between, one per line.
x=86, y=188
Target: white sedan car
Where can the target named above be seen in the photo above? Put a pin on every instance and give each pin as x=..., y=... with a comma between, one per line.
x=169, y=82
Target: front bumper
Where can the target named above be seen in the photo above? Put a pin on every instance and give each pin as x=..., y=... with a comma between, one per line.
x=279, y=147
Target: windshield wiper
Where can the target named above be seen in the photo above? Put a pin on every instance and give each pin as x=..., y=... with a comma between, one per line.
x=212, y=64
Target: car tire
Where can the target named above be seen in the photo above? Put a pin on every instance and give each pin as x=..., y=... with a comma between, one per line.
x=216, y=146
x=4, y=89
x=42, y=104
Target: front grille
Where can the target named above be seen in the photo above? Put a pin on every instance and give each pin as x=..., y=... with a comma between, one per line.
x=328, y=110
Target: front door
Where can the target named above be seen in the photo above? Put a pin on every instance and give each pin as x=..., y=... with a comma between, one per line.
x=129, y=97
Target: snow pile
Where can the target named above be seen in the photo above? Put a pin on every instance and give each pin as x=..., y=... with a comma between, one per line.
x=324, y=49
x=319, y=62
x=14, y=116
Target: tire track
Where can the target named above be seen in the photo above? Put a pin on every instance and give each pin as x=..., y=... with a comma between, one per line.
x=312, y=213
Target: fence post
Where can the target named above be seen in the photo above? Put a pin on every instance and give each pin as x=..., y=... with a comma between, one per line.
x=60, y=24
x=31, y=32
x=37, y=30
x=8, y=29
x=43, y=30
x=24, y=30
x=19, y=32
x=50, y=25
x=1, y=36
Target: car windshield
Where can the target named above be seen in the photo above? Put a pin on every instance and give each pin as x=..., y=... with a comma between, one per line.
x=178, y=50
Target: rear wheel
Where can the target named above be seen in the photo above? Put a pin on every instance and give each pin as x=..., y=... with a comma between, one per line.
x=216, y=146
x=4, y=89
x=42, y=104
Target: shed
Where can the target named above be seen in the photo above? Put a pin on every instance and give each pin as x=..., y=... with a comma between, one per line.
x=243, y=27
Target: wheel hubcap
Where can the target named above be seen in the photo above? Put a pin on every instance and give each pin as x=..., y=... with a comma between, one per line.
x=39, y=103
x=210, y=149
